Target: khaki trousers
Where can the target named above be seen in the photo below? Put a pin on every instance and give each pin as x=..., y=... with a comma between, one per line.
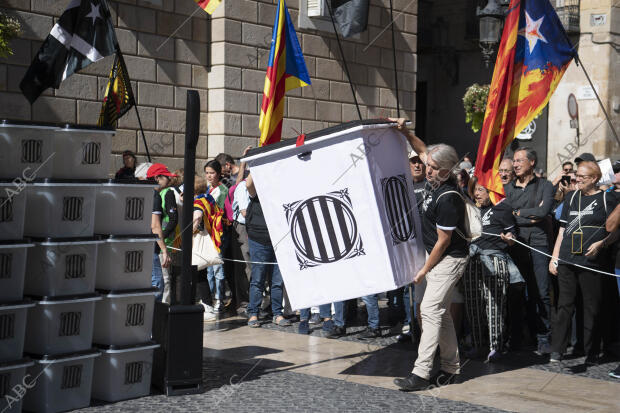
x=437, y=326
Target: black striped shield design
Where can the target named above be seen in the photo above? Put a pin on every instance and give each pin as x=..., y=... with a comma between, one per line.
x=398, y=208
x=324, y=229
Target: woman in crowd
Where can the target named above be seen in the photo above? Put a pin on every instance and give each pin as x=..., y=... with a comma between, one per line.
x=213, y=175
x=218, y=191
x=207, y=216
x=582, y=240
x=489, y=273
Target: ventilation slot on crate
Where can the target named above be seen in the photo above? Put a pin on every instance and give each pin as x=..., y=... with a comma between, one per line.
x=5, y=383
x=72, y=208
x=135, y=314
x=6, y=209
x=133, y=372
x=91, y=153
x=134, y=209
x=5, y=265
x=133, y=261
x=70, y=324
x=71, y=377
x=75, y=266
x=32, y=151
x=7, y=326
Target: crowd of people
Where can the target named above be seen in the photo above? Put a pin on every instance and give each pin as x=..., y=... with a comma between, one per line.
x=537, y=276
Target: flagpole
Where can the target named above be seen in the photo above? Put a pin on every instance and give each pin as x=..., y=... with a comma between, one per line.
x=578, y=62
x=394, y=54
x=344, y=61
x=135, y=106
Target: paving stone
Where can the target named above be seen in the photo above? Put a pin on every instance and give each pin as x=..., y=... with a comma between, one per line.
x=233, y=386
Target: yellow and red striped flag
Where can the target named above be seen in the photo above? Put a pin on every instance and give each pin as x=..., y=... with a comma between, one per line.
x=533, y=55
x=208, y=5
x=286, y=70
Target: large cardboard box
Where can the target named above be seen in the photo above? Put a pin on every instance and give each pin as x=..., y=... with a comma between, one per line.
x=341, y=211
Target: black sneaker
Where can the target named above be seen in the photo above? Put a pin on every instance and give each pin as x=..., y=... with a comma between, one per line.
x=336, y=332
x=303, y=327
x=591, y=360
x=615, y=373
x=443, y=378
x=412, y=383
x=370, y=333
x=315, y=319
x=555, y=357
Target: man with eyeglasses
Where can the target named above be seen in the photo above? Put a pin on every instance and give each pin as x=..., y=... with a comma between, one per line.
x=506, y=171
x=531, y=199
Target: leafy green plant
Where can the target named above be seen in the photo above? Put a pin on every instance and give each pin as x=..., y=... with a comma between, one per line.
x=9, y=28
x=475, y=104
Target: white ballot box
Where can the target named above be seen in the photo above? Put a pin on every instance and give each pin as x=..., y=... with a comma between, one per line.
x=341, y=211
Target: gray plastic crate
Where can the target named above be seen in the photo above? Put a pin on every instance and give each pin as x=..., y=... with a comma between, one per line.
x=13, y=269
x=64, y=382
x=82, y=152
x=124, y=317
x=123, y=372
x=125, y=262
x=12, y=329
x=59, y=325
x=27, y=149
x=14, y=381
x=60, y=266
x=57, y=208
x=124, y=208
x=12, y=210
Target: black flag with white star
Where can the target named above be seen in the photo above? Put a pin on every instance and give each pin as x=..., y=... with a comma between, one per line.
x=83, y=34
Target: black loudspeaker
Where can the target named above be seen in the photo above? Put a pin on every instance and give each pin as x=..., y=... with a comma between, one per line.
x=177, y=363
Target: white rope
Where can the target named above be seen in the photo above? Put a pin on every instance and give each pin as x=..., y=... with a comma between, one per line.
x=230, y=259
x=485, y=233
x=559, y=259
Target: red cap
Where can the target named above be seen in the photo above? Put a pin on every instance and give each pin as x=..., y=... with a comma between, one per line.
x=158, y=169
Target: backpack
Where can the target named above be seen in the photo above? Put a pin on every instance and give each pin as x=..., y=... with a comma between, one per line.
x=473, y=220
x=228, y=209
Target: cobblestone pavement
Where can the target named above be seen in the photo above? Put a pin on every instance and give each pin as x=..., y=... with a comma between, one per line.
x=511, y=361
x=239, y=387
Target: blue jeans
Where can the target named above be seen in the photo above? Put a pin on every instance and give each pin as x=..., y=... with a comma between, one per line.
x=215, y=275
x=325, y=311
x=157, y=278
x=406, y=303
x=264, y=253
x=372, y=308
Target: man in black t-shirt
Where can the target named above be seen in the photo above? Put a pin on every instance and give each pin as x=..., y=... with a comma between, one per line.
x=443, y=216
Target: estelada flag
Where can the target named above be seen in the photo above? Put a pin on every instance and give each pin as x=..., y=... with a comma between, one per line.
x=532, y=58
x=286, y=70
x=208, y=5
x=118, y=98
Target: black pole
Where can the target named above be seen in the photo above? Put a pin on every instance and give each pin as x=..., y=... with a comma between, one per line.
x=394, y=54
x=344, y=61
x=146, y=147
x=600, y=102
x=192, y=125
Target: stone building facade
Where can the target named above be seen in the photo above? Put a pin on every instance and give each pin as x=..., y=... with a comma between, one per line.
x=598, y=38
x=224, y=57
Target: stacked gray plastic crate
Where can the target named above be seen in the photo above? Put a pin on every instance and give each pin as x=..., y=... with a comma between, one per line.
x=53, y=193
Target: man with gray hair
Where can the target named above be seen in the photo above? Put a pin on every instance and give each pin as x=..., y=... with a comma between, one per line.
x=506, y=171
x=443, y=216
x=531, y=199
